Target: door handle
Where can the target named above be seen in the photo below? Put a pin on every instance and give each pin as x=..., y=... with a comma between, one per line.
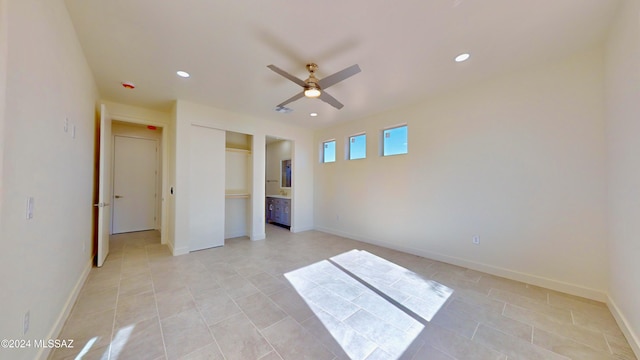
x=119, y=196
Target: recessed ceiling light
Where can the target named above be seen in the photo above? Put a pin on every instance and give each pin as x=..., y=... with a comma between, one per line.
x=313, y=114
x=462, y=57
x=183, y=74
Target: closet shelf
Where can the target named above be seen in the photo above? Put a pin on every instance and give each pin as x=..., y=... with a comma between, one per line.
x=232, y=149
x=237, y=195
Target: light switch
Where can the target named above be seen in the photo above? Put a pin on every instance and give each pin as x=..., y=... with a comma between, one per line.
x=73, y=131
x=30, y=208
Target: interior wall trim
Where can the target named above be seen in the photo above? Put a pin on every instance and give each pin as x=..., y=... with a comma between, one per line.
x=552, y=284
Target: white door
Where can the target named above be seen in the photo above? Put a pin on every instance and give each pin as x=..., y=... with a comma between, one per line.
x=135, y=165
x=104, y=186
x=206, y=188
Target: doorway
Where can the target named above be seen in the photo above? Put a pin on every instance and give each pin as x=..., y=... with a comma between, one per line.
x=134, y=184
x=106, y=131
x=279, y=181
x=136, y=178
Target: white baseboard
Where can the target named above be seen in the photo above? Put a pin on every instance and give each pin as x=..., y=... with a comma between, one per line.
x=301, y=229
x=235, y=234
x=170, y=245
x=632, y=338
x=256, y=237
x=179, y=251
x=552, y=284
x=66, y=310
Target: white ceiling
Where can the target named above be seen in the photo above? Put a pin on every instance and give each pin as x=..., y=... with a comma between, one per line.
x=404, y=48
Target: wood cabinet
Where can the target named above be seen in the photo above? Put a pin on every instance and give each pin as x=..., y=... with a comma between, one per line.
x=278, y=211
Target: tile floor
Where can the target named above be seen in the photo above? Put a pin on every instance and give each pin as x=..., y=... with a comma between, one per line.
x=235, y=302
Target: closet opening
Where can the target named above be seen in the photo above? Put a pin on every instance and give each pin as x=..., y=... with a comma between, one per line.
x=238, y=184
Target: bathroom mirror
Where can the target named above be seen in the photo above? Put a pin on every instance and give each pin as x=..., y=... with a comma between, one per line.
x=285, y=170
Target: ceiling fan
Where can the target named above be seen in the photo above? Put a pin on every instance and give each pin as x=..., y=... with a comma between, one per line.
x=314, y=87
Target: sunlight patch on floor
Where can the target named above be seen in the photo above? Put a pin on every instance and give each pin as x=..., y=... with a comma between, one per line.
x=401, y=286
x=368, y=304
x=120, y=341
x=87, y=347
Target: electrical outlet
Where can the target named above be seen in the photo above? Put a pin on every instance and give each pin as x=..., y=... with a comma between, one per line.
x=476, y=240
x=25, y=322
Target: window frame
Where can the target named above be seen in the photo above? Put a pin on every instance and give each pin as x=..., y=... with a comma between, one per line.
x=323, y=154
x=348, y=147
x=382, y=139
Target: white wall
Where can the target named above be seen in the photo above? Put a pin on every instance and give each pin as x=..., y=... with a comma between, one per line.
x=276, y=152
x=43, y=261
x=518, y=160
x=188, y=114
x=137, y=115
x=236, y=217
x=238, y=141
x=237, y=171
x=4, y=41
x=623, y=135
x=136, y=131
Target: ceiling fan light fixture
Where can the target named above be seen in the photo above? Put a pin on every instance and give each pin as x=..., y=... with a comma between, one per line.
x=312, y=92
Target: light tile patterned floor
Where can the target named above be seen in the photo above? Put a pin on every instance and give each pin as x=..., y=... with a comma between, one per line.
x=235, y=302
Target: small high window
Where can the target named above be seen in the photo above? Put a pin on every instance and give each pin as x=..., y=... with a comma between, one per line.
x=358, y=147
x=329, y=151
x=394, y=141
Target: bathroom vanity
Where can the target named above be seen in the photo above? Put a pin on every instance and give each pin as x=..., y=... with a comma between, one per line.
x=278, y=210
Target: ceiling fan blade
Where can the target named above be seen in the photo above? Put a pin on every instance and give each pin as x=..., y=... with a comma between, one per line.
x=324, y=96
x=295, y=97
x=339, y=76
x=287, y=75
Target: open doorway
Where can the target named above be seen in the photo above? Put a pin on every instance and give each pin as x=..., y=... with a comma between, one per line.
x=107, y=129
x=137, y=177
x=279, y=174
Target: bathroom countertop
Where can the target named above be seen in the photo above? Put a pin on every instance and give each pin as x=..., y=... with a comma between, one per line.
x=278, y=196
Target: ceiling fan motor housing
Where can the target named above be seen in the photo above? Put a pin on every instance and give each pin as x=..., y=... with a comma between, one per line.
x=312, y=86
x=312, y=81
x=312, y=67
